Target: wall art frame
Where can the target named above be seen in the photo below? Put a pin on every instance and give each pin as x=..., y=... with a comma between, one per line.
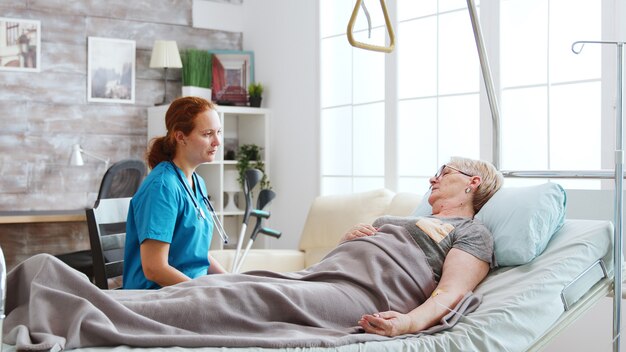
x=20, y=46
x=111, y=70
x=233, y=71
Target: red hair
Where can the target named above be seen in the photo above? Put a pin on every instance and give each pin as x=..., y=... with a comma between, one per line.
x=180, y=116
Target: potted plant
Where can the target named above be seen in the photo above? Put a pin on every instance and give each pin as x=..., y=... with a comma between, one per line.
x=249, y=157
x=255, y=94
x=197, y=73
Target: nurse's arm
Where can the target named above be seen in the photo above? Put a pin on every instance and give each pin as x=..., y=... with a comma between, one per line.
x=154, y=256
x=215, y=267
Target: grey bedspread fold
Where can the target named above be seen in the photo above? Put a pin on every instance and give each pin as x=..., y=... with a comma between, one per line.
x=50, y=305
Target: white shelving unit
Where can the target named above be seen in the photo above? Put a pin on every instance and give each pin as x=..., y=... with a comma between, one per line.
x=245, y=126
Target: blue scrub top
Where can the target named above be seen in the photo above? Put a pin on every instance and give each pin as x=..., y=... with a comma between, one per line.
x=163, y=210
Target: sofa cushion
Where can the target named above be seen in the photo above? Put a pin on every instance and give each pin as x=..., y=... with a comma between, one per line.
x=331, y=216
x=280, y=260
x=403, y=204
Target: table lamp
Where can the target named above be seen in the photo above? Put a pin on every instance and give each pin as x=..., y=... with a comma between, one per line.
x=165, y=55
x=231, y=187
x=76, y=158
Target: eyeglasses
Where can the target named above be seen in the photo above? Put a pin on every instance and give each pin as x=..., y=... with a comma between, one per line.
x=440, y=173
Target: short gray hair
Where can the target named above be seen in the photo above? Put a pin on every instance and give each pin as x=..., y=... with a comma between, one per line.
x=492, y=179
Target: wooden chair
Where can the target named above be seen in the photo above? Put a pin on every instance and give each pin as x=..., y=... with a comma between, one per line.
x=107, y=236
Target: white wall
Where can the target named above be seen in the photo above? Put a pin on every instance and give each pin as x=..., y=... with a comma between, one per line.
x=283, y=36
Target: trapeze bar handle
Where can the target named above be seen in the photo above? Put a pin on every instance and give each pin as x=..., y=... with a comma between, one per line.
x=357, y=44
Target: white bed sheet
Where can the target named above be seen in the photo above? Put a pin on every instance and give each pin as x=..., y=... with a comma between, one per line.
x=519, y=303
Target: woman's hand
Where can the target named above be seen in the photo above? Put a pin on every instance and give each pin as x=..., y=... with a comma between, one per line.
x=359, y=230
x=388, y=323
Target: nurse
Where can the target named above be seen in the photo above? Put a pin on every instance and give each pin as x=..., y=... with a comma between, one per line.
x=169, y=227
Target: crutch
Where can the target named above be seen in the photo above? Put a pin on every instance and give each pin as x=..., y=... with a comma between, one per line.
x=265, y=197
x=251, y=178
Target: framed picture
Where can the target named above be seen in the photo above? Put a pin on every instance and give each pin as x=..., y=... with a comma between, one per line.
x=110, y=70
x=20, y=45
x=232, y=72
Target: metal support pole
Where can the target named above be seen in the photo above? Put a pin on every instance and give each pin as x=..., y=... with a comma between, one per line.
x=491, y=91
x=619, y=201
x=164, y=86
x=618, y=215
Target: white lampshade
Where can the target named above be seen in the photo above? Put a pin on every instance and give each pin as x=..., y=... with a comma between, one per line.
x=230, y=181
x=76, y=158
x=165, y=55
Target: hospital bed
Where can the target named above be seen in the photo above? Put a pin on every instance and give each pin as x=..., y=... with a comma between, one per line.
x=523, y=306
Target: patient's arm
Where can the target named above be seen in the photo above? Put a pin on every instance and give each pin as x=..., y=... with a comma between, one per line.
x=462, y=272
x=155, y=266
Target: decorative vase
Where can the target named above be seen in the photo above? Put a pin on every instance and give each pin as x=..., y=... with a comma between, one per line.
x=255, y=102
x=197, y=92
x=231, y=188
x=231, y=206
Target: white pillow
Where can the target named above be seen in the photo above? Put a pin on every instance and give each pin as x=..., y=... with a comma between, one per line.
x=522, y=220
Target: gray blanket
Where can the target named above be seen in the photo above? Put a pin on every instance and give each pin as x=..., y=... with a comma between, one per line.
x=50, y=305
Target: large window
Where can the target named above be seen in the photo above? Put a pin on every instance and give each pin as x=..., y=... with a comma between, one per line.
x=430, y=93
x=551, y=98
x=353, y=103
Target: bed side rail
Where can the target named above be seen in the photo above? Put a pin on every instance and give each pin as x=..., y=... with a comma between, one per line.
x=573, y=291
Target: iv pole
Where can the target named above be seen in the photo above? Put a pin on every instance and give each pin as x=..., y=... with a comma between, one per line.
x=619, y=194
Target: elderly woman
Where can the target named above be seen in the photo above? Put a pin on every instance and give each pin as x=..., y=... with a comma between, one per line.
x=458, y=248
x=396, y=276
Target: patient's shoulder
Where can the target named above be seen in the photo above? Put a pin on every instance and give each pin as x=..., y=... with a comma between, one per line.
x=395, y=220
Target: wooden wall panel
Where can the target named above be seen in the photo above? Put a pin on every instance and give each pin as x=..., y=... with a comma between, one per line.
x=163, y=11
x=43, y=114
x=21, y=241
x=43, y=87
x=63, y=57
x=60, y=27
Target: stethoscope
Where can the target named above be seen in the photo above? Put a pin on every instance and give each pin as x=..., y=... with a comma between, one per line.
x=207, y=202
